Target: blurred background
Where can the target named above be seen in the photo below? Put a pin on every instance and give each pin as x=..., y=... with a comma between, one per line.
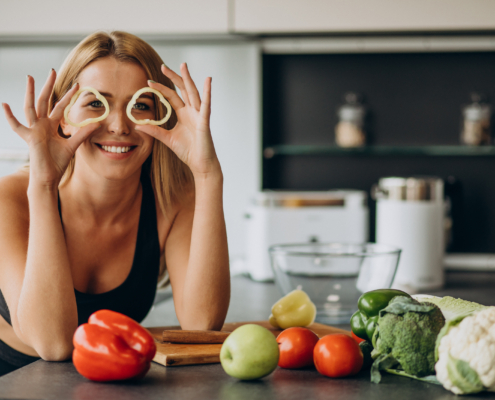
x=313, y=104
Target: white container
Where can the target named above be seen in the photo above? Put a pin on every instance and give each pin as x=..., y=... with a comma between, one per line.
x=298, y=217
x=410, y=214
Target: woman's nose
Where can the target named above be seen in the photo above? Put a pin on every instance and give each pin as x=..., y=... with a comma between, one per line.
x=118, y=122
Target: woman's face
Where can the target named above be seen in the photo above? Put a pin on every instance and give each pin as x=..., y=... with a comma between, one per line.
x=116, y=150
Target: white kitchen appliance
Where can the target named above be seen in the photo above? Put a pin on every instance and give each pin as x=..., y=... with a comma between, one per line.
x=410, y=214
x=277, y=217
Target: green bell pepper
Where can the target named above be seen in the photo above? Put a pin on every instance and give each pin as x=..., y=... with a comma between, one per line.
x=365, y=320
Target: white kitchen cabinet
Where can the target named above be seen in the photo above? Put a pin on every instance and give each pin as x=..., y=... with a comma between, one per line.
x=320, y=16
x=154, y=17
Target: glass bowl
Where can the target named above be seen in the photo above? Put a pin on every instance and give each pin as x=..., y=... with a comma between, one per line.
x=334, y=275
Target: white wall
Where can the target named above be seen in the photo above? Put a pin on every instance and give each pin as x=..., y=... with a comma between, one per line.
x=15, y=63
x=235, y=120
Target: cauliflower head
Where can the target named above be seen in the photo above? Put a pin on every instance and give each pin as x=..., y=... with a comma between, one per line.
x=466, y=354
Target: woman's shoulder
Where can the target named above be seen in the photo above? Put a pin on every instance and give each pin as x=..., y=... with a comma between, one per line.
x=168, y=217
x=13, y=194
x=185, y=201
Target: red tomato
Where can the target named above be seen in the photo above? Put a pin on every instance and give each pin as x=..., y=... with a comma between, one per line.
x=296, y=348
x=338, y=355
x=357, y=338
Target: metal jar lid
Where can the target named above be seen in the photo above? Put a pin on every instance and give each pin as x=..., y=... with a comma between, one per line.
x=409, y=189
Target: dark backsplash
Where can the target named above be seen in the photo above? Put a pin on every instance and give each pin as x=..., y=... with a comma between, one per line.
x=414, y=99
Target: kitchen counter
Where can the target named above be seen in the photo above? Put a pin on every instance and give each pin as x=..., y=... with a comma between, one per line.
x=250, y=301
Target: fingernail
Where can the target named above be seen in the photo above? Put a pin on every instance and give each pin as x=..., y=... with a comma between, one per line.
x=74, y=85
x=149, y=80
x=164, y=66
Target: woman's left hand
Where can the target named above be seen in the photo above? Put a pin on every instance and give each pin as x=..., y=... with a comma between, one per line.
x=190, y=138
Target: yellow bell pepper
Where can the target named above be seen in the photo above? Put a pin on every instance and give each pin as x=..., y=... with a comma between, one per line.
x=294, y=309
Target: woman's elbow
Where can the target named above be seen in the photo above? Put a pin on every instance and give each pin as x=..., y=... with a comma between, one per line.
x=207, y=324
x=55, y=351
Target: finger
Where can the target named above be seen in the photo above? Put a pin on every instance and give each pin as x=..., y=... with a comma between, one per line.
x=42, y=104
x=58, y=111
x=205, y=110
x=171, y=95
x=82, y=134
x=16, y=126
x=29, y=109
x=177, y=81
x=192, y=91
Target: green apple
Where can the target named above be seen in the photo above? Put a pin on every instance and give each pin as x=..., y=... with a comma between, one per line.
x=250, y=352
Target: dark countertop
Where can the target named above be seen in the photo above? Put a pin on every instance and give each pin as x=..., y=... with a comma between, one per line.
x=250, y=301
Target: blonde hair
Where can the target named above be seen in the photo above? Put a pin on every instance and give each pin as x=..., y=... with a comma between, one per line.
x=170, y=177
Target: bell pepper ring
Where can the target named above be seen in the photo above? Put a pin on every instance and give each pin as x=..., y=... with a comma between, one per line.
x=89, y=120
x=111, y=347
x=148, y=121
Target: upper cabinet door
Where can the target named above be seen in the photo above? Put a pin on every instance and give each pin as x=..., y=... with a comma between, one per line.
x=320, y=16
x=155, y=17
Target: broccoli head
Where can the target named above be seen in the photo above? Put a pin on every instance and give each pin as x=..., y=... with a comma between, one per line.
x=406, y=335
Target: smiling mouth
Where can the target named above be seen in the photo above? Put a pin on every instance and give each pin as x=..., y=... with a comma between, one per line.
x=116, y=149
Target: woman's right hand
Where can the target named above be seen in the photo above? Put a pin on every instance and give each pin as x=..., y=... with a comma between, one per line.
x=49, y=153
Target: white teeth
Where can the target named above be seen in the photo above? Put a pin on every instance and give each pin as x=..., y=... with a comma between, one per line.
x=114, y=149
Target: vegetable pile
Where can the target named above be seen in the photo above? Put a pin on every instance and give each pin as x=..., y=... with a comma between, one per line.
x=250, y=352
x=454, y=338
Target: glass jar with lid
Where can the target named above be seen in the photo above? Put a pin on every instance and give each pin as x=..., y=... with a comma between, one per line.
x=350, y=130
x=476, y=121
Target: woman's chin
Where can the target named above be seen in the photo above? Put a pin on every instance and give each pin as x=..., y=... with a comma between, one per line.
x=116, y=170
x=118, y=174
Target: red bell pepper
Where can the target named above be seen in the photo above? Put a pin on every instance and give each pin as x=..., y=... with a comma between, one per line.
x=112, y=346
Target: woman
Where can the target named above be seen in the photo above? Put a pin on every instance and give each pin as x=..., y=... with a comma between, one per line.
x=85, y=228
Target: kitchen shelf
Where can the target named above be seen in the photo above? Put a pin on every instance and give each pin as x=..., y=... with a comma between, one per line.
x=331, y=150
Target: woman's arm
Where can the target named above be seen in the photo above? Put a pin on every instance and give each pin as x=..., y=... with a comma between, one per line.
x=35, y=276
x=35, y=272
x=196, y=249
x=197, y=258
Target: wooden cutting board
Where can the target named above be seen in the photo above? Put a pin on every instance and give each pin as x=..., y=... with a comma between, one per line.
x=172, y=354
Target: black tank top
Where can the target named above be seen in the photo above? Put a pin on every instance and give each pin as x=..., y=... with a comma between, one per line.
x=134, y=297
